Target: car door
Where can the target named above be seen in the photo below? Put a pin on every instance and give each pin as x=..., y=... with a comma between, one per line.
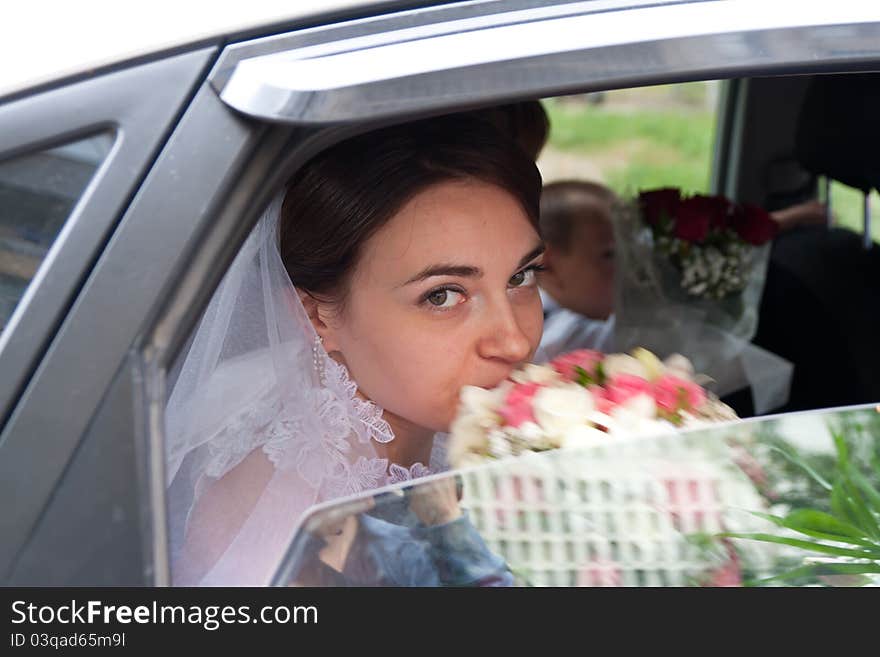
x=267, y=105
x=72, y=157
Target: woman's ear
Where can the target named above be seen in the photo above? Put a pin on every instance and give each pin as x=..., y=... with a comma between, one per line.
x=319, y=313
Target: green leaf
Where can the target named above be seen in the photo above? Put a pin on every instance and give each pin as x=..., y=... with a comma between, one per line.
x=847, y=568
x=584, y=377
x=812, y=546
x=842, y=449
x=819, y=570
x=862, y=513
x=796, y=573
x=819, y=521
x=871, y=493
x=841, y=507
x=776, y=520
x=804, y=466
x=819, y=524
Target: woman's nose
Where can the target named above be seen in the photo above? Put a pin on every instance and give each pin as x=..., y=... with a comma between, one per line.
x=503, y=337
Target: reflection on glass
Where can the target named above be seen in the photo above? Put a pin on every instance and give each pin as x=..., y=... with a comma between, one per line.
x=418, y=536
x=790, y=500
x=38, y=192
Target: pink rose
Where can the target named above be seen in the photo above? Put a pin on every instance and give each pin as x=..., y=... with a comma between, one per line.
x=586, y=359
x=623, y=387
x=600, y=398
x=673, y=394
x=517, y=407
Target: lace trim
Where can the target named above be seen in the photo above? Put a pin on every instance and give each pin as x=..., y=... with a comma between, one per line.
x=315, y=436
x=369, y=413
x=240, y=437
x=398, y=473
x=322, y=449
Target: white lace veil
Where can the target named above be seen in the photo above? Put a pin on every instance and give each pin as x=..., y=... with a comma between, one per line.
x=260, y=424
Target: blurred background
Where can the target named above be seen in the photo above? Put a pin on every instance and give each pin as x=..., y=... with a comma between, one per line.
x=658, y=136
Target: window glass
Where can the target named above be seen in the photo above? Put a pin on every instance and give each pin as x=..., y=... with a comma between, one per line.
x=785, y=500
x=38, y=192
x=848, y=206
x=633, y=139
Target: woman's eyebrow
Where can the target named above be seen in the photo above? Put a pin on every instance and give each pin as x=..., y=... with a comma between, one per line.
x=531, y=255
x=467, y=271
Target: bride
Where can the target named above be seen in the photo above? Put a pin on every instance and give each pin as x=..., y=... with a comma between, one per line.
x=395, y=268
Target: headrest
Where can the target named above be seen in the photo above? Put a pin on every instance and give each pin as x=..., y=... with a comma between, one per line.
x=838, y=130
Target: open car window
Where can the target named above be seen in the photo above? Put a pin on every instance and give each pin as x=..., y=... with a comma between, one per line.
x=784, y=500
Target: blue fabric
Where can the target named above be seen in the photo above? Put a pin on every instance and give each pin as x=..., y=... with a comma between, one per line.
x=392, y=548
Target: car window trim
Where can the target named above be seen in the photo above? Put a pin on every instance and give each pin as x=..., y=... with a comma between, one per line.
x=408, y=70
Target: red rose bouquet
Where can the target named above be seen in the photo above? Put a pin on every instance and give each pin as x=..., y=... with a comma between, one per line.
x=709, y=240
x=690, y=276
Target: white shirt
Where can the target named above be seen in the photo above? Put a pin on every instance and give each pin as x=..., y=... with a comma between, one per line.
x=566, y=330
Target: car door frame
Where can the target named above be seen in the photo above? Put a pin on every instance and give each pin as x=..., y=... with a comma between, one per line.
x=45, y=396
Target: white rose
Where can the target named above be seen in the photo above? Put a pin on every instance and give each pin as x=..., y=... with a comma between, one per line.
x=532, y=373
x=479, y=401
x=637, y=415
x=616, y=364
x=641, y=405
x=678, y=365
x=499, y=446
x=583, y=435
x=557, y=409
x=468, y=435
x=530, y=432
x=652, y=364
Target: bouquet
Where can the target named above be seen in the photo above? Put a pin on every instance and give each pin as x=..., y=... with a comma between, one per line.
x=579, y=398
x=690, y=276
x=709, y=241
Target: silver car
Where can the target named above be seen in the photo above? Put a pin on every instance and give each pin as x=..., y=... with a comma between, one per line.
x=136, y=152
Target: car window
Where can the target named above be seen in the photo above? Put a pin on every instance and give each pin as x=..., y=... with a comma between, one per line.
x=38, y=192
x=631, y=139
x=791, y=497
x=848, y=208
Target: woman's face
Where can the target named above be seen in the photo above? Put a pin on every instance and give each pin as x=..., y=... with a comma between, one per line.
x=444, y=295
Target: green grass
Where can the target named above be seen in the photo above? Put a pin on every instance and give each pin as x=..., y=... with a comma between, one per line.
x=847, y=205
x=640, y=148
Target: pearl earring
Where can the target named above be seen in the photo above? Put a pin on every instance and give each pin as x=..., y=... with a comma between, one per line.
x=317, y=358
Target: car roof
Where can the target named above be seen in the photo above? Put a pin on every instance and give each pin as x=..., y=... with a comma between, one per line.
x=43, y=41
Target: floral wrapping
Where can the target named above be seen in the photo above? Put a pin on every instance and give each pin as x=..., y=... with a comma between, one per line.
x=690, y=275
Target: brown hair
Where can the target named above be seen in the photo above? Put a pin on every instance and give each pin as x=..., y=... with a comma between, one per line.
x=341, y=197
x=526, y=121
x=566, y=202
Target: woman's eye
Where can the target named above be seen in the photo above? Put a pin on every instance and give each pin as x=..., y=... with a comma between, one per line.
x=444, y=298
x=525, y=277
